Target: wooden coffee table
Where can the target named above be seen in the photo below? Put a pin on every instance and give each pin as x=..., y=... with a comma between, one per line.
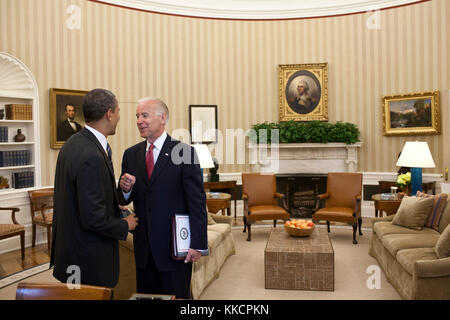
x=301, y=263
x=389, y=206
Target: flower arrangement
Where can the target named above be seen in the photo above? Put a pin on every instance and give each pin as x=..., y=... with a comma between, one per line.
x=404, y=180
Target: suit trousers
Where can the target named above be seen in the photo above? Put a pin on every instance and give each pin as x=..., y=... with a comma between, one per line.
x=153, y=281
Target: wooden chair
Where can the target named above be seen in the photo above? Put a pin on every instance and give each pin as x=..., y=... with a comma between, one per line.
x=41, y=205
x=343, y=200
x=261, y=200
x=8, y=230
x=61, y=291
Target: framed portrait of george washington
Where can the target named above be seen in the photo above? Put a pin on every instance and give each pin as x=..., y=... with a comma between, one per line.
x=303, y=92
x=411, y=114
x=66, y=115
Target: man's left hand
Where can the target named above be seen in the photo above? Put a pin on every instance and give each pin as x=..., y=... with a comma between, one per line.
x=192, y=256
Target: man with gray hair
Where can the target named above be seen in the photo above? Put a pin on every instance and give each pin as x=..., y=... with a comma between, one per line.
x=160, y=185
x=303, y=98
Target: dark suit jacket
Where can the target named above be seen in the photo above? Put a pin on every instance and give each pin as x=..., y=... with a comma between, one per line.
x=173, y=188
x=65, y=130
x=86, y=219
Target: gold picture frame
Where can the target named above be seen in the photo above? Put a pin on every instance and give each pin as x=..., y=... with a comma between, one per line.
x=303, y=92
x=60, y=129
x=411, y=114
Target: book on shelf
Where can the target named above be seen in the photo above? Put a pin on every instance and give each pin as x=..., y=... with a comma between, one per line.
x=15, y=158
x=3, y=134
x=23, y=179
x=18, y=112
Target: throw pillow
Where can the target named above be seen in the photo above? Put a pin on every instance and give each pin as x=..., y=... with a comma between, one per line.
x=210, y=219
x=437, y=209
x=412, y=212
x=443, y=244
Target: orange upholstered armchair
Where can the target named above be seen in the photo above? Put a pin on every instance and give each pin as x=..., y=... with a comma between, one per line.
x=261, y=200
x=343, y=200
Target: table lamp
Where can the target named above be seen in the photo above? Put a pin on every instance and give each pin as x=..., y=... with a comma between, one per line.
x=416, y=155
x=204, y=156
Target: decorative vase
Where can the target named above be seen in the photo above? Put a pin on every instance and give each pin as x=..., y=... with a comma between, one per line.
x=19, y=137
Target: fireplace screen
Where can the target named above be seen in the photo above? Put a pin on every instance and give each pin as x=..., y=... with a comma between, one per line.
x=301, y=191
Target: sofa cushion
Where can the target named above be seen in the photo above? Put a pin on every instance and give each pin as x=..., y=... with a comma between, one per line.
x=214, y=238
x=395, y=242
x=222, y=228
x=445, y=218
x=443, y=244
x=437, y=209
x=412, y=212
x=383, y=228
x=210, y=219
x=408, y=257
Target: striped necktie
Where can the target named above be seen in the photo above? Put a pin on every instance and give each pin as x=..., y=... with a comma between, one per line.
x=108, y=149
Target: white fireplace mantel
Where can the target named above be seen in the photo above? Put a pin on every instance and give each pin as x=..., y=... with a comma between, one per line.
x=305, y=157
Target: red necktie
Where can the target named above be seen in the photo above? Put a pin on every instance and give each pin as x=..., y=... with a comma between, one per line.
x=150, y=164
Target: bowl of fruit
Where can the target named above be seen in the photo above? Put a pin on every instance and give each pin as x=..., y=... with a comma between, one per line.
x=299, y=227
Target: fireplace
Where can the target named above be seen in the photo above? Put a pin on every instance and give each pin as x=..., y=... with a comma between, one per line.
x=301, y=191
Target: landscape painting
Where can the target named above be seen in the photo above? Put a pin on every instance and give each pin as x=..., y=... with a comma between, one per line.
x=411, y=114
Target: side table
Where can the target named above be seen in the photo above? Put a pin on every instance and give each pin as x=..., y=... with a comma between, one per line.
x=388, y=206
x=218, y=201
x=228, y=186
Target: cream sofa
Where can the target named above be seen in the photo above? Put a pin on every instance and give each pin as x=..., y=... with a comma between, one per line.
x=409, y=260
x=220, y=244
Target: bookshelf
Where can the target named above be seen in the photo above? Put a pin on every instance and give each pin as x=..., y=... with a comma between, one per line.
x=18, y=159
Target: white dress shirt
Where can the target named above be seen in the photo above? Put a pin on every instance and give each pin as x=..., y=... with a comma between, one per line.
x=100, y=137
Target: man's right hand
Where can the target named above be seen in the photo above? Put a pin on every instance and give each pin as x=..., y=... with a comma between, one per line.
x=132, y=221
x=126, y=182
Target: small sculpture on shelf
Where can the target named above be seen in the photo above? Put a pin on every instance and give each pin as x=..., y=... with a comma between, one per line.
x=19, y=137
x=3, y=183
x=213, y=176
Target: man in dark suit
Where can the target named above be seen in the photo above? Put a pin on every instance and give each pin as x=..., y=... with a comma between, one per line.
x=69, y=126
x=162, y=177
x=86, y=221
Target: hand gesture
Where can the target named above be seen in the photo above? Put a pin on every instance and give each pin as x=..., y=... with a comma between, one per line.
x=126, y=182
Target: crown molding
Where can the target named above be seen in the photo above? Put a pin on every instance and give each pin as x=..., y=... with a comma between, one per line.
x=258, y=9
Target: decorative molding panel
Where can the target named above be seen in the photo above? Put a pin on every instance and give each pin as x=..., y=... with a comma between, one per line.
x=258, y=10
x=15, y=78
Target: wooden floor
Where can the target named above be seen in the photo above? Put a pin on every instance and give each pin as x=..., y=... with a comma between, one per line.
x=11, y=262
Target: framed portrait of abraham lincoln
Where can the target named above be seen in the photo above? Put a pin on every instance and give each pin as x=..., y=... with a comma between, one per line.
x=303, y=92
x=66, y=115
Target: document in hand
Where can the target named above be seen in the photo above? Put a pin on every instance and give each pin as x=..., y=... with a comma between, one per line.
x=181, y=237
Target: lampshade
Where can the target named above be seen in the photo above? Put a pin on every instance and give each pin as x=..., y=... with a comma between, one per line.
x=416, y=154
x=204, y=156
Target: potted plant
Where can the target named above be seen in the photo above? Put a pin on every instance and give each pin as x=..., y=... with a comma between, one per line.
x=307, y=132
x=404, y=182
